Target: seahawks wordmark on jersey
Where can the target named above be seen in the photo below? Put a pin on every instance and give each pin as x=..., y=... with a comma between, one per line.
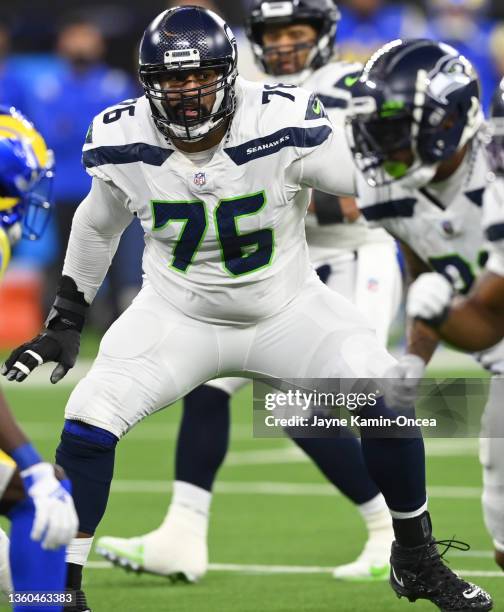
x=225, y=237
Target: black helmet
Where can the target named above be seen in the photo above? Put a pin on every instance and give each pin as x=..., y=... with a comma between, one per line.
x=419, y=96
x=323, y=15
x=182, y=39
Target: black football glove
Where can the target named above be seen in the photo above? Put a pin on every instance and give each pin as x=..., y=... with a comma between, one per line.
x=60, y=340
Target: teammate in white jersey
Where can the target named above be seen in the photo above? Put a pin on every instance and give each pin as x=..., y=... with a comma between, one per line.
x=292, y=42
x=476, y=322
x=218, y=170
x=418, y=134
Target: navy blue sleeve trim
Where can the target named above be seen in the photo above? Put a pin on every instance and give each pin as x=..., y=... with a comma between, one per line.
x=495, y=232
x=332, y=102
x=268, y=145
x=403, y=207
x=126, y=154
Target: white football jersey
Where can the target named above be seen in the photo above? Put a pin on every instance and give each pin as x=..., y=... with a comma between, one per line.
x=442, y=224
x=225, y=239
x=493, y=223
x=331, y=84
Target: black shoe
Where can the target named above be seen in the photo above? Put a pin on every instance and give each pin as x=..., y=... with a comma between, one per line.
x=80, y=604
x=420, y=573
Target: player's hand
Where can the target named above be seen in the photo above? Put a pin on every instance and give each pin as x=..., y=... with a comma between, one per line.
x=429, y=298
x=56, y=521
x=61, y=346
x=400, y=382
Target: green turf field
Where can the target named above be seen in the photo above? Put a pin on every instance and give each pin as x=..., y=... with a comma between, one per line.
x=295, y=534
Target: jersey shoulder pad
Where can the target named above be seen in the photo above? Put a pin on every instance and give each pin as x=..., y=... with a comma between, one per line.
x=277, y=105
x=273, y=117
x=123, y=134
x=333, y=82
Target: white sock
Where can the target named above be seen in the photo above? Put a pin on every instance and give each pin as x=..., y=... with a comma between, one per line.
x=191, y=496
x=190, y=505
x=376, y=515
x=78, y=550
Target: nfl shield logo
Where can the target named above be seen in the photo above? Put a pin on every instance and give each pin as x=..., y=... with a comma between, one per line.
x=199, y=178
x=447, y=228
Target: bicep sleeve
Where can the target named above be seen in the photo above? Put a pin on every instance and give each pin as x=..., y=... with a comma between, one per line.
x=97, y=226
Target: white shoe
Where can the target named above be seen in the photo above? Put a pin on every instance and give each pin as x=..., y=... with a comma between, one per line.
x=5, y=575
x=374, y=561
x=177, y=550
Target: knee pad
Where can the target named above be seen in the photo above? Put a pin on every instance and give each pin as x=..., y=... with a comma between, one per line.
x=87, y=454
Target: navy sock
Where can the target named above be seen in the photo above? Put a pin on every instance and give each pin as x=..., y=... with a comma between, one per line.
x=203, y=436
x=342, y=463
x=396, y=464
x=32, y=567
x=86, y=453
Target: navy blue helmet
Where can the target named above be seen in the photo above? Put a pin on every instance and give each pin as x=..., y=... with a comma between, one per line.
x=323, y=15
x=182, y=41
x=496, y=145
x=415, y=105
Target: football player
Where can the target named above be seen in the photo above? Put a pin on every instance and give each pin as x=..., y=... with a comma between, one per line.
x=36, y=500
x=476, y=322
x=219, y=172
x=292, y=42
x=418, y=135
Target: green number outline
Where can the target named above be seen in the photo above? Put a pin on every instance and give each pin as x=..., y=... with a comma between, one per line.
x=270, y=229
x=469, y=265
x=217, y=230
x=181, y=232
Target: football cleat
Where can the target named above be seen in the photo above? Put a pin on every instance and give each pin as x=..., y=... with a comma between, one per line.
x=5, y=576
x=80, y=604
x=420, y=573
x=374, y=561
x=176, y=551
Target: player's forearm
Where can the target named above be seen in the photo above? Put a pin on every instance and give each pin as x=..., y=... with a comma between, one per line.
x=11, y=435
x=96, y=230
x=472, y=326
x=88, y=255
x=422, y=340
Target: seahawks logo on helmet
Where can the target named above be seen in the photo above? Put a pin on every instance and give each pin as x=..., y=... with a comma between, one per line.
x=435, y=96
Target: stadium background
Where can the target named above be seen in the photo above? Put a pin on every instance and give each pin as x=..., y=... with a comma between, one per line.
x=277, y=528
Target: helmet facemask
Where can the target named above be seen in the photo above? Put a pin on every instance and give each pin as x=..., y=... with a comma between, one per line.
x=406, y=142
x=188, y=113
x=323, y=20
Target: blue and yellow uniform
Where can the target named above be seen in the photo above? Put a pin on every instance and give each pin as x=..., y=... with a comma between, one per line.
x=26, y=177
